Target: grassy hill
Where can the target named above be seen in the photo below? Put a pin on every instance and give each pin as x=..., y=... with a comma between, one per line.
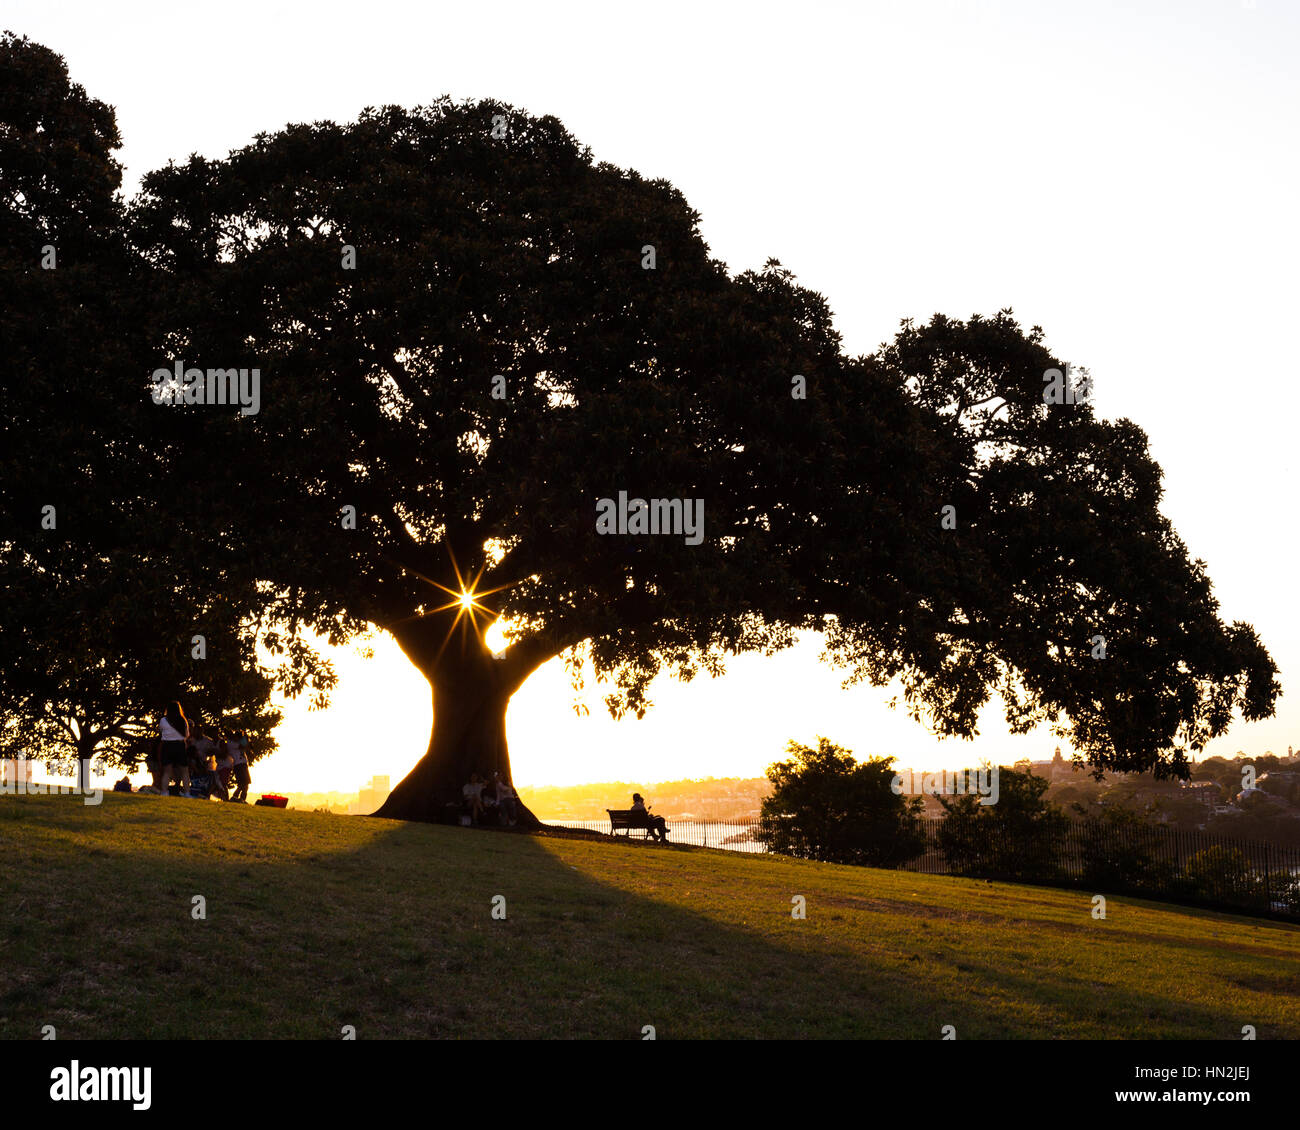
x=317, y=921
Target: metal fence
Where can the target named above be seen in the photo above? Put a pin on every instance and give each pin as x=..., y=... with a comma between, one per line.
x=731, y=835
x=1151, y=860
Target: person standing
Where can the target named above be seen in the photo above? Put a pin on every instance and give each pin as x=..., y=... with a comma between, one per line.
x=238, y=747
x=225, y=763
x=174, y=733
x=205, y=761
x=156, y=769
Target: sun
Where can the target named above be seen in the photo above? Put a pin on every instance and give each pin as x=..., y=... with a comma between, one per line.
x=465, y=600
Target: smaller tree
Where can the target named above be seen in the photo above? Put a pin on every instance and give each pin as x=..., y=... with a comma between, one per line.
x=1019, y=837
x=1120, y=851
x=829, y=807
x=1223, y=874
x=92, y=652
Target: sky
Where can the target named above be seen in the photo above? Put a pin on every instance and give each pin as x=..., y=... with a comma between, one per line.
x=1122, y=174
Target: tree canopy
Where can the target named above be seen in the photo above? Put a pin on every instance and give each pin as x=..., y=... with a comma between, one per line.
x=827, y=806
x=470, y=334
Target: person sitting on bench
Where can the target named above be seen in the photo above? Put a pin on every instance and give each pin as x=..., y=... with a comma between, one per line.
x=641, y=815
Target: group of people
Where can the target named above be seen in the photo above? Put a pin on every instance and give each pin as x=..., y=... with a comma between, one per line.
x=489, y=802
x=189, y=760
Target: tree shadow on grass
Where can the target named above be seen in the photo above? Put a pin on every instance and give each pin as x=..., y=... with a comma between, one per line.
x=316, y=922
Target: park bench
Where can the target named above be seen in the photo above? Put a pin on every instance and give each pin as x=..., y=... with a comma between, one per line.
x=625, y=820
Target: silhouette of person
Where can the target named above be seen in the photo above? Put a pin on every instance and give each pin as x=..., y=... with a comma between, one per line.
x=641, y=815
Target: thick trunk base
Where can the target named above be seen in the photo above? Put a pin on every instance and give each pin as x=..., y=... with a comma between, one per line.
x=469, y=737
x=471, y=690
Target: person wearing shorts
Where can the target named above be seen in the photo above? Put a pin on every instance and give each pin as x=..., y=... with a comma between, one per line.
x=174, y=732
x=239, y=752
x=225, y=764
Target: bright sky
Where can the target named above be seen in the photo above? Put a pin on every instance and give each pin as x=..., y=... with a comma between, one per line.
x=1122, y=174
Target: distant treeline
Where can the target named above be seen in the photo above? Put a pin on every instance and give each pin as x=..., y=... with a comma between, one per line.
x=708, y=798
x=1269, y=810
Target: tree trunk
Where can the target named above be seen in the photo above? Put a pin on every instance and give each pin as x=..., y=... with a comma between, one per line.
x=86, y=742
x=471, y=691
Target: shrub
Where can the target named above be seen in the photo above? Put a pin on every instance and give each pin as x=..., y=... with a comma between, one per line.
x=827, y=806
x=1019, y=837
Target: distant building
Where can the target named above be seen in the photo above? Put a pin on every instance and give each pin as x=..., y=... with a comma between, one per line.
x=1207, y=792
x=1060, y=767
x=371, y=797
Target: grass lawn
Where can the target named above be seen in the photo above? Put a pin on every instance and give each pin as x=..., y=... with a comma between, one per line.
x=317, y=921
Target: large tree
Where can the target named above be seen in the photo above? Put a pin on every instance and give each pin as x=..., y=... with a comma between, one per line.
x=469, y=333
x=516, y=257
